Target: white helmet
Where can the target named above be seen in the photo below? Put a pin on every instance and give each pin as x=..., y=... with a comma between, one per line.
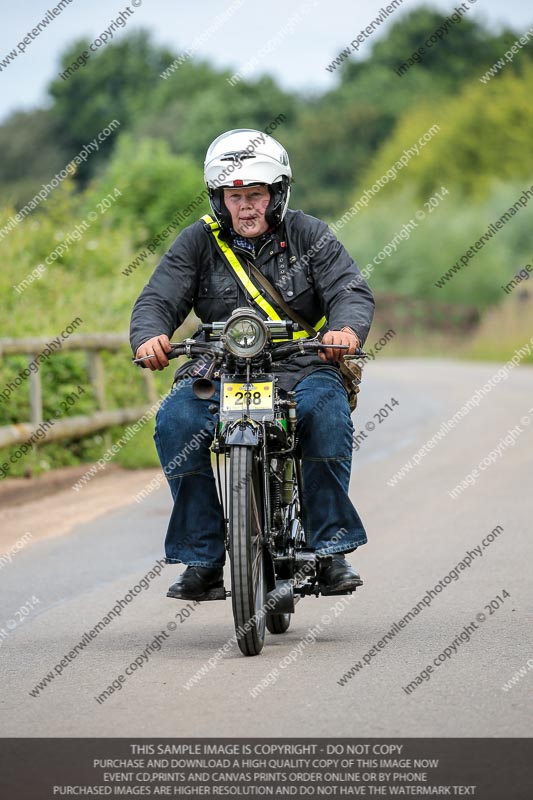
x=245, y=157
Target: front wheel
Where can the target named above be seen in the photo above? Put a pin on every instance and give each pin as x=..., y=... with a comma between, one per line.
x=246, y=551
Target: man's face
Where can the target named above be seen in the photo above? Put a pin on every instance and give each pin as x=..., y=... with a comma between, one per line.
x=247, y=206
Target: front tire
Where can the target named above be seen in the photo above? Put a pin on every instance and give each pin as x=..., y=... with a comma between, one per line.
x=248, y=590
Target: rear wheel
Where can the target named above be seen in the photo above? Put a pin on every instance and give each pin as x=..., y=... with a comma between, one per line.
x=246, y=551
x=278, y=623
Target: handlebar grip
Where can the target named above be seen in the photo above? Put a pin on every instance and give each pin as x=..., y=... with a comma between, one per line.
x=177, y=351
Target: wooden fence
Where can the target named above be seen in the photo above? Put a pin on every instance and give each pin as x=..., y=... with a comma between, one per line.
x=72, y=427
x=404, y=313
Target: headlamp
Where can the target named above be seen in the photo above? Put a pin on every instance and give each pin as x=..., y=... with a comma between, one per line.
x=244, y=334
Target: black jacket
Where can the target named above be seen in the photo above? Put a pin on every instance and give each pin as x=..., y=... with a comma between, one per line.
x=310, y=268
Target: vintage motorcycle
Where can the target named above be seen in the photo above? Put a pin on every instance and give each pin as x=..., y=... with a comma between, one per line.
x=261, y=486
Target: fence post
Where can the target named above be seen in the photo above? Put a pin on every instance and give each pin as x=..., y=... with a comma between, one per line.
x=36, y=396
x=96, y=375
x=148, y=377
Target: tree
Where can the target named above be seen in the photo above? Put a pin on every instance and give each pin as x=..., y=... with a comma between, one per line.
x=31, y=154
x=485, y=138
x=155, y=185
x=116, y=83
x=217, y=107
x=345, y=127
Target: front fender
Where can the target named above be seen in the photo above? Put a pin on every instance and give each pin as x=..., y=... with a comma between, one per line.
x=241, y=432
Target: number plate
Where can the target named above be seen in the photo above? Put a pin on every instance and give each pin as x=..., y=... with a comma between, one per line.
x=261, y=394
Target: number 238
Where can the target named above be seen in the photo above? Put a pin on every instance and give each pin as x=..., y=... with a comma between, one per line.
x=242, y=397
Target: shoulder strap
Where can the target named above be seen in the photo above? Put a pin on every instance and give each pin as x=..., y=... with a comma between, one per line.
x=275, y=295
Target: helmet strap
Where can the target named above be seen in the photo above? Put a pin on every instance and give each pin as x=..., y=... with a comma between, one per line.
x=278, y=195
x=219, y=208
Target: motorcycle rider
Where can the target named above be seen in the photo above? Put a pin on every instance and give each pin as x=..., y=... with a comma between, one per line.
x=248, y=177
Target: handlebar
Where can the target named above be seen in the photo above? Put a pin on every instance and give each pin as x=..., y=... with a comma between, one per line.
x=286, y=350
x=191, y=347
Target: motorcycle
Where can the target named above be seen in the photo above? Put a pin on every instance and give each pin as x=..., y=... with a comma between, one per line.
x=261, y=491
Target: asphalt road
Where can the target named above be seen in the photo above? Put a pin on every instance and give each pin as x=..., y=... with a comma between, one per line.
x=417, y=535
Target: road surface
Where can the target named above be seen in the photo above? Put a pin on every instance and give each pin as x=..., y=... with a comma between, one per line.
x=57, y=587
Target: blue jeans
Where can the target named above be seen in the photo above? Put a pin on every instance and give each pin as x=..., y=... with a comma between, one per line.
x=185, y=428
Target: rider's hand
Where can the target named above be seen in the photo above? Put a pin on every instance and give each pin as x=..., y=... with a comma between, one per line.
x=158, y=346
x=347, y=337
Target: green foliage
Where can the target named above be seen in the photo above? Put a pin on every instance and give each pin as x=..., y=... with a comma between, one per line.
x=84, y=281
x=31, y=154
x=339, y=144
x=139, y=452
x=484, y=138
x=115, y=83
x=223, y=107
x=319, y=181
x=430, y=249
x=332, y=138
x=345, y=127
x=66, y=375
x=466, y=50
x=154, y=185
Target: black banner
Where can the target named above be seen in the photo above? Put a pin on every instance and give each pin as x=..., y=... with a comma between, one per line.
x=487, y=769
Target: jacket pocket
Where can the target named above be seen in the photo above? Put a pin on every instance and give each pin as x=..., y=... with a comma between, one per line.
x=216, y=298
x=299, y=293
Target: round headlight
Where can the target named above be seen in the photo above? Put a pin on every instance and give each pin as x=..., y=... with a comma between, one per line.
x=245, y=335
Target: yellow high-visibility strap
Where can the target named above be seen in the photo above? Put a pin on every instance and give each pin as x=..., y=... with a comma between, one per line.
x=245, y=281
x=236, y=266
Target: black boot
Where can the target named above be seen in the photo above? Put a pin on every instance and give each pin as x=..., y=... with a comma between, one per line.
x=339, y=576
x=195, y=582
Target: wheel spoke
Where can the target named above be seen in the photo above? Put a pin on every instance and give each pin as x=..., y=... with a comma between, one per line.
x=257, y=552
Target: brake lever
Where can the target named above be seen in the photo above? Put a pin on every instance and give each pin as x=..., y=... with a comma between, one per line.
x=319, y=346
x=140, y=360
x=170, y=355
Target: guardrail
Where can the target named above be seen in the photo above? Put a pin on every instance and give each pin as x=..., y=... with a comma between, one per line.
x=71, y=427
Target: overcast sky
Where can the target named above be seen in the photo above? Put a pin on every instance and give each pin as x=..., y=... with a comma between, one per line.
x=319, y=29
